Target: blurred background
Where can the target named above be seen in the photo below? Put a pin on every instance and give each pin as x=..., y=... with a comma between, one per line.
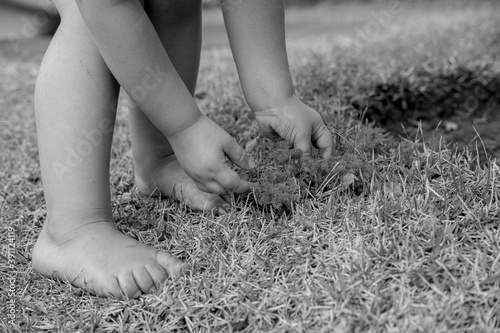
x=27, y=25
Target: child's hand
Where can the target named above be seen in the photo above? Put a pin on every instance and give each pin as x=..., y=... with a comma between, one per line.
x=299, y=125
x=202, y=149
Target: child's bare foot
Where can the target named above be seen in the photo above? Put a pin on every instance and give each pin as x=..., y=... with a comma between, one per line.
x=98, y=257
x=167, y=177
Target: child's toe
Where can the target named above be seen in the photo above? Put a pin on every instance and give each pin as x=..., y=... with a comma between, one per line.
x=143, y=279
x=110, y=289
x=156, y=273
x=172, y=265
x=128, y=286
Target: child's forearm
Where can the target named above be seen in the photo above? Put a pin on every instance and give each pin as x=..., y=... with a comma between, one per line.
x=133, y=52
x=256, y=31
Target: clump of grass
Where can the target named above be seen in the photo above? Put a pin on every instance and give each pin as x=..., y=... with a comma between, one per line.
x=284, y=180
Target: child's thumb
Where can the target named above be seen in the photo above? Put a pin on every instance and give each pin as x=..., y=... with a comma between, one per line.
x=323, y=140
x=238, y=156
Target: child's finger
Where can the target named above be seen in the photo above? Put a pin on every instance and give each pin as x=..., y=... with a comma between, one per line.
x=238, y=156
x=303, y=144
x=323, y=140
x=244, y=176
x=211, y=187
x=243, y=187
x=220, y=203
x=269, y=132
x=232, y=182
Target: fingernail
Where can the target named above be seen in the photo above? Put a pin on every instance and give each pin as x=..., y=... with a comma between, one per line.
x=251, y=163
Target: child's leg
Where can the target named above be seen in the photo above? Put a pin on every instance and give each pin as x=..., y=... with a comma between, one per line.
x=75, y=112
x=178, y=24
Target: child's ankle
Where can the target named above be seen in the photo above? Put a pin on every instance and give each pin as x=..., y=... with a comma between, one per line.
x=147, y=169
x=148, y=161
x=63, y=223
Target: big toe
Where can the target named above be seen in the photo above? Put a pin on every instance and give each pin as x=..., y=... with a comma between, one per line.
x=173, y=266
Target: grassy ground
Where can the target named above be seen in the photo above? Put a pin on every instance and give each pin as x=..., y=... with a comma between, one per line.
x=413, y=248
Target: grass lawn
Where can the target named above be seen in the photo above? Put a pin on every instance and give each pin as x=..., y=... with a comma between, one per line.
x=404, y=238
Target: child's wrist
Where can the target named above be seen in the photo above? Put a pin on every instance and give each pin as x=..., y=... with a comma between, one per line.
x=275, y=105
x=185, y=124
x=265, y=100
x=185, y=129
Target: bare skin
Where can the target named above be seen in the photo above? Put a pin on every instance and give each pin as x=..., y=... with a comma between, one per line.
x=153, y=53
x=79, y=242
x=157, y=170
x=132, y=49
x=169, y=179
x=103, y=260
x=265, y=79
